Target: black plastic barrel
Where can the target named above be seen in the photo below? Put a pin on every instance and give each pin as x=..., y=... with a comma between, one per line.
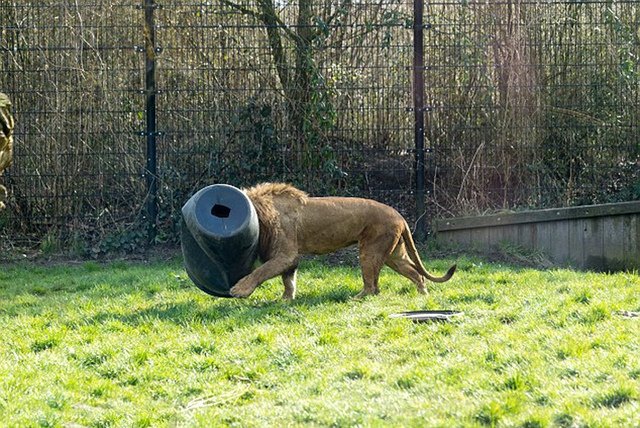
x=219, y=238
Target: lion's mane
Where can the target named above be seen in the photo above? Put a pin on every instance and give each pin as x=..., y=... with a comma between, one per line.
x=262, y=196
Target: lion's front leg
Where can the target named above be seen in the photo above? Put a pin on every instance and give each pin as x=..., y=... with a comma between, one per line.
x=272, y=268
x=244, y=287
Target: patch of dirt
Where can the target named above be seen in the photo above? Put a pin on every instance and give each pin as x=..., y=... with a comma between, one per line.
x=152, y=254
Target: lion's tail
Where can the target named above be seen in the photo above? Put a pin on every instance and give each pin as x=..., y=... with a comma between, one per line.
x=415, y=258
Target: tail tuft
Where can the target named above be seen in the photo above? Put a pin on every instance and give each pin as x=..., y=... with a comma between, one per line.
x=445, y=277
x=451, y=270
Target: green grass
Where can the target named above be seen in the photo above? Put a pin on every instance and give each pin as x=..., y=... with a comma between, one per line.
x=126, y=345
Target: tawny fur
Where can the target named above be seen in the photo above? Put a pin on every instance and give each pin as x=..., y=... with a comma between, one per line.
x=292, y=224
x=262, y=198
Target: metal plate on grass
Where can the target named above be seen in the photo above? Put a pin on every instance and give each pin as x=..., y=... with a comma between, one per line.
x=424, y=316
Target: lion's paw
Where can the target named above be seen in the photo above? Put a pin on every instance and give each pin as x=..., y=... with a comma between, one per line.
x=241, y=289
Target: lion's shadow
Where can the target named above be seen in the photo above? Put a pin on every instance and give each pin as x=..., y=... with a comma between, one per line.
x=245, y=312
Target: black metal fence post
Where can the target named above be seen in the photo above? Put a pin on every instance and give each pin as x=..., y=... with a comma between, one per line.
x=150, y=65
x=418, y=109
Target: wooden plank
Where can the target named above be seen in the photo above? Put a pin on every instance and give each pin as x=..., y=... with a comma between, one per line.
x=558, y=249
x=455, y=237
x=616, y=240
x=496, y=235
x=576, y=243
x=510, y=234
x=606, y=238
x=545, y=241
x=480, y=239
x=462, y=237
x=528, y=235
x=633, y=244
x=539, y=216
x=636, y=223
x=593, y=241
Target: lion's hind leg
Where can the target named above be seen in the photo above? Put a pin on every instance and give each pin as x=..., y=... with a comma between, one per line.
x=400, y=262
x=373, y=255
x=289, y=281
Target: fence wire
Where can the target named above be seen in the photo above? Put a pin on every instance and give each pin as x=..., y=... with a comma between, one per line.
x=528, y=104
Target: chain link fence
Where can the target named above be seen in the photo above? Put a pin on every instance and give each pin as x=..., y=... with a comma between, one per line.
x=125, y=108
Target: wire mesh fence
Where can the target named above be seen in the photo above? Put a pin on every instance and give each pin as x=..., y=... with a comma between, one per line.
x=73, y=72
x=535, y=104
x=527, y=104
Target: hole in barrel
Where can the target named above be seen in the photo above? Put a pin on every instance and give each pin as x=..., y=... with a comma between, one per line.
x=220, y=211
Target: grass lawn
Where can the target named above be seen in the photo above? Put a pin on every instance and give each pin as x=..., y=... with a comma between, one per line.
x=133, y=345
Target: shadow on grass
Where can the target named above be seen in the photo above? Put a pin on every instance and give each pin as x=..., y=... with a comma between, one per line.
x=45, y=290
x=243, y=312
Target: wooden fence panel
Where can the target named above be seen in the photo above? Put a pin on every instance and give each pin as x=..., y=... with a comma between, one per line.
x=599, y=237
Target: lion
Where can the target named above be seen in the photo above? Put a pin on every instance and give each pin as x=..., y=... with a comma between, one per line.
x=293, y=224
